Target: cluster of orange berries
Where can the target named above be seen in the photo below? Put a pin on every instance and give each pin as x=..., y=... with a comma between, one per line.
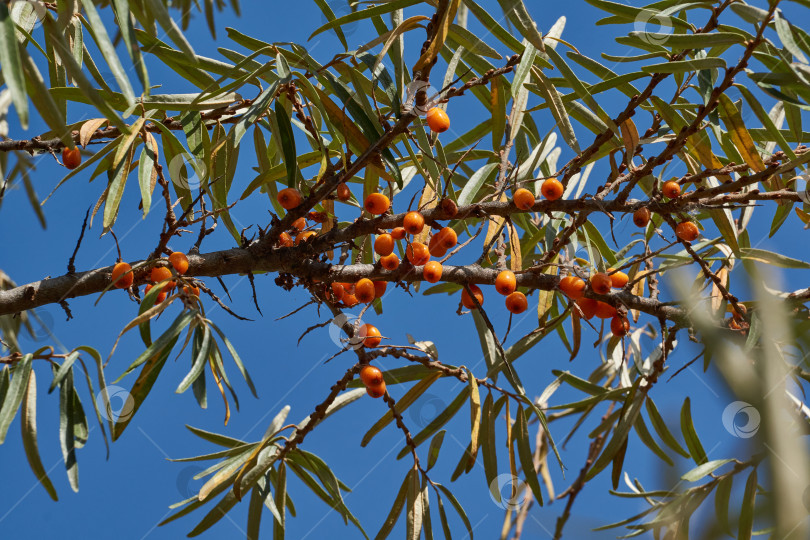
x=601, y=283
x=685, y=230
x=373, y=379
x=123, y=278
x=351, y=294
x=552, y=189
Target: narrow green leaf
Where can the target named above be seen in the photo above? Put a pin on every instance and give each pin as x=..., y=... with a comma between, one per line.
x=287, y=143
x=662, y=430
x=702, y=470
x=690, y=435
x=520, y=433
x=722, y=494
x=746, y=524
x=11, y=61
x=396, y=509
x=14, y=394
x=107, y=49
x=435, y=447
x=28, y=423
x=518, y=15
x=686, y=66
x=459, y=509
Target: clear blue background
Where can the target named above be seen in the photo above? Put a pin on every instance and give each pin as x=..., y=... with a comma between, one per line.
x=128, y=495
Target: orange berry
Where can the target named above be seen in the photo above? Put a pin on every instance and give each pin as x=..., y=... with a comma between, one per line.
x=413, y=223
x=379, y=288
x=516, y=302
x=285, y=240
x=738, y=315
x=384, y=244
x=449, y=207
x=448, y=238
x=192, y=291
x=317, y=217
x=641, y=216
x=304, y=236
x=588, y=307
x=350, y=300
x=160, y=297
x=390, y=262
x=601, y=283
x=572, y=286
x=671, y=189
x=618, y=279
x=435, y=246
x=505, y=283
x=523, y=199
x=160, y=273
x=417, y=253
x=343, y=192
x=289, y=198
x=122, y=276
x=687, y=231
x=370, y=335
x=438, y=120
x=466, y=299
x=364, y=290
x=432, y=271
x=71, y=158
x=179, y=261
x=337, y=291
x=619, y=326
x=604, y=310
x=376, y=391
x=552, y=189
x=300, y=224
x=398, y=233
x=371, y=376
x=377, y=204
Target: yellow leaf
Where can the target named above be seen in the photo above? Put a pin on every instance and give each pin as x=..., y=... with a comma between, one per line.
x=447, y=16
x=89, y=128
x=739, y=135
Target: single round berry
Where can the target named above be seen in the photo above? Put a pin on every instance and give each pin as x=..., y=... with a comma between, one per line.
x=289, y=198
x=506, y=282
x=601, y=283
x=619, y=326
x=417, y=253
x=398, y=233
x=687, y=231
x=195, y=291
x=448, y=238
x=364, y=290
x=588, y=307
x=160, y=273
x=572, y=286
x=413, y=223
x=377, y=204
x=285, y=240
x=390, y=262
x=552, y=189
x=379, y=288
x=371, y=376
x=337, y=291
x=466, y=299
x=641, y=217
x=343, y=192
x=304, y=236
x=300, y=224
x=435, y=246
x=179, y=262
x=604, y=310
x=350, y=300
x=370, y=335
x=618, y=279
x=377, y=391
x=122, y=276
x=516, y=302
x=438, y=120
x=671, y=189
x=432, y=271
x=71, y=158
x=523, y=199
x=449, y=207
x=384, y=245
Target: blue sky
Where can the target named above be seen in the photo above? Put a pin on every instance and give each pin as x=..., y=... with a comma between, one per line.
x=129, y=494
